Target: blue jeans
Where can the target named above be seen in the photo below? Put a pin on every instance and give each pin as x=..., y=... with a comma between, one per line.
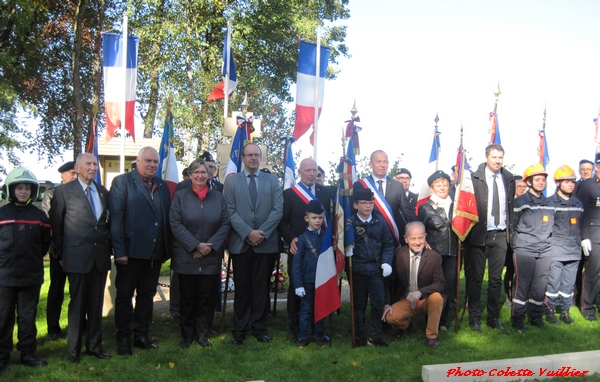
x=307, y=315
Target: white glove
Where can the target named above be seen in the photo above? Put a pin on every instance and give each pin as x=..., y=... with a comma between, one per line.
x=387, y=270
x=350, y=251
x=300, y=292
x=586, y=245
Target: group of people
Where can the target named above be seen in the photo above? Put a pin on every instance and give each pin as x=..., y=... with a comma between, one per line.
x=403, y=259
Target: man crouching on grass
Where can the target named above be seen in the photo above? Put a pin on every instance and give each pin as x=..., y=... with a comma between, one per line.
x=418, y=280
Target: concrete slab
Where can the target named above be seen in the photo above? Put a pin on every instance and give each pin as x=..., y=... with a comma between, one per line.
x=557, y=365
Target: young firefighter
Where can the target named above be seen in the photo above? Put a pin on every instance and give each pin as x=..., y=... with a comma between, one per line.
x=25, y=239
x=304, y=272
x=566, y=246
x=372, y=257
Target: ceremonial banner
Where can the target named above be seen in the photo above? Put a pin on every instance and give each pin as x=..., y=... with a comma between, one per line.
x=306, y=84
x=167, y=164
x=241, y=136
x=465, y=207
x=228, y=75
x=119, y=83
x=93, y=148
x=327, y=294
x=289, y=177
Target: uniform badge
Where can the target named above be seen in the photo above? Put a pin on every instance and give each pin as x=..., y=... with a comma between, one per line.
x=545, y=218
x=573, y=220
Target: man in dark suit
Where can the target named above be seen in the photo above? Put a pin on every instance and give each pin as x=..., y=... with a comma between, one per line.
x=418, y=283
x=385, y=189
x=80, y=232
x=405, y=177
x=139, y=206
x=255, y=204
x=589, y=194
x=293, y=224
x=494, y=188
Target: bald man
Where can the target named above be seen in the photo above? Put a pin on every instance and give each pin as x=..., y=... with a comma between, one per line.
x=293, y=225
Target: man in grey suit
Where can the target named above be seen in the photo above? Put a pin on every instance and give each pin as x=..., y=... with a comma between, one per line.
x=80, y=232
x=255, y=205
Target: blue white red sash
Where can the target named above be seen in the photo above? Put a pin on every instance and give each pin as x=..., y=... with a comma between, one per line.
x=382, y=206
x=306, y=195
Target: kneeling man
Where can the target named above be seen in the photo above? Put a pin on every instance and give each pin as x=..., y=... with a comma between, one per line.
x=418, y=282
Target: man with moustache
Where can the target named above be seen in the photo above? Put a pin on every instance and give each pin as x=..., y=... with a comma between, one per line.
x=139, y=206
x=494, y=188
x=293, y=225
x=80, y=232
x=390, y=200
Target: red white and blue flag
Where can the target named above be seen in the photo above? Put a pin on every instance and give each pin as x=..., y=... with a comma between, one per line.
x=241, y=136
x=93, y=148
x=435, y=147
x=327, y=294
x=219, y=90
x=289, y=177
x=494, y=129
x=306, y=84
x=119, y=84
x=465, y=207
x=167, y=165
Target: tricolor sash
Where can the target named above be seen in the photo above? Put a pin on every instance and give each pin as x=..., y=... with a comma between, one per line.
x=306, y=195
x=382, y=206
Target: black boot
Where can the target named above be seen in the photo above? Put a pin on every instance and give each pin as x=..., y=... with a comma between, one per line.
x=564, y=317
x=551, y=317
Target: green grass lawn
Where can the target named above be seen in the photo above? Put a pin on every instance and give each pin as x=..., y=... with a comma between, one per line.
x=281, y=360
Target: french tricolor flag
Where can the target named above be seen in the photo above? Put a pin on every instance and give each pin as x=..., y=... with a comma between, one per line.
x=306, y=85
x=119, y=84
x=327, y=294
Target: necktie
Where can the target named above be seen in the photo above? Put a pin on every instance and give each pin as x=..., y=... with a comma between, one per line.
x=414, y=270
x=252, y=189
x=88, y=193
x=380, y=182
x=496, y=203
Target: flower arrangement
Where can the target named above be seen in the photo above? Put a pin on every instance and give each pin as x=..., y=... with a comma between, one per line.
x=280, y=279
x=231, y=284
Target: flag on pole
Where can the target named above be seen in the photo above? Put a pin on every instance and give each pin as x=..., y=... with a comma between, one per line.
x=465, y=207
x=114, y=82
x=494, y=129
x=327, y=294
x=289, y=176
x=424, y=196
x=93, y=148
x=231, y=75
x=435, y=147
x=241, y=136
x=305, y=87
x=543, y=149
x=167, y=163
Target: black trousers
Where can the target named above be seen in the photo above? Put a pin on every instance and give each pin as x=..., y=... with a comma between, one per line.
x=494, y=252
x=293, y=301
x=368, y=288
x=140, y=277
x=56, y=295
x=449, y=265
x=87, y=299
x=251, y=274
x=25, y=300
x=531, y=281
x=590, y=282
x=197, y=304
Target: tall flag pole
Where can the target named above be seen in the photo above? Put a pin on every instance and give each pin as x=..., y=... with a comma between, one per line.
x=543, y=146
x=596, y=138
x=167, y=164
x=289, y=173
x=229, y=83
x=309, y=97
x=242, y=135
x=93, y=147
x=494, y=129
x=436, y=146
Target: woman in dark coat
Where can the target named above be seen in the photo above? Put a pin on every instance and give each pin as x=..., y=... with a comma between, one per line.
x=436, y=215
x=200, y=223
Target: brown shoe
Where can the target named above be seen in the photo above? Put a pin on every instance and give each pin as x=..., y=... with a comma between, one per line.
x=432, y=343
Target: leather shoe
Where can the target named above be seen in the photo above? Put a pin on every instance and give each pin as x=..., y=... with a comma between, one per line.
x=519, y=325
x=237, y=341
x=186, y=343
x=144, y=343
x=591, y=318
x=99, y=354
x=495, y=324
x=475, y=325
x=538, y=322
x=32, y=361
x=431, y=342
x=302, y=342
x=263, y=338
x=54, y=337
x=73, y=358
x=124, y=348
x=204, y=342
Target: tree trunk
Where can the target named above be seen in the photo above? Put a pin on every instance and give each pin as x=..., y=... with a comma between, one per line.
x=97, y=63
x=75, y=67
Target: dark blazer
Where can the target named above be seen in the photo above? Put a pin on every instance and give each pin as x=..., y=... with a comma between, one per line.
x=80, y=239
x=194, y=222
x=589, y=194
x=134, y=225
x=479, y=231
x=244, y=218
x=411, y=210
x=396, y=198
x=430, y=275
x=292, y=223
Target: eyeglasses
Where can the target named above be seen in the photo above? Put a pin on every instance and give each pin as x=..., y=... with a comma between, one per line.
x=252, y=155
x=199, y=173
x=522, y=186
